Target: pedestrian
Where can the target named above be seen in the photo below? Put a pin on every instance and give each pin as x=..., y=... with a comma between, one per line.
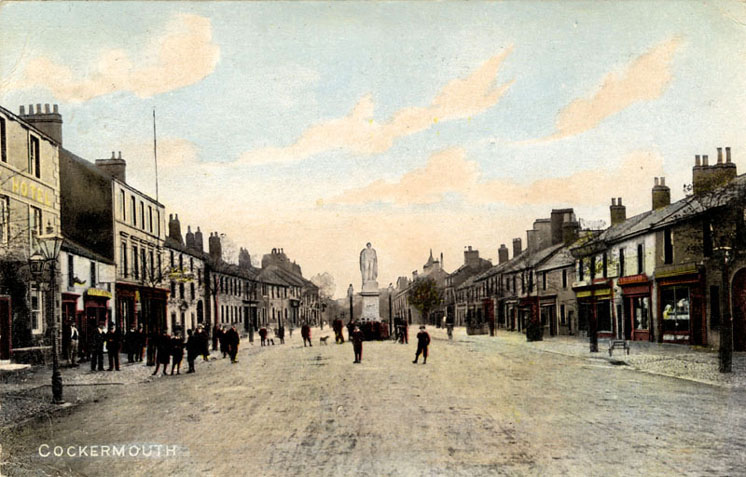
x=338, y=327
x=113, y=347
x=357, y=338
x=177, y=353
x=73, y=348
x=130, y=344
x=162, y=346
x=97, y=348
x=350, y=329
x=423, y=340
x=193, y=348
x=305, y=332
x=263, y=335
x=232, y=340
x=215, y=336
x=223, y=342
x=281, y=334
x=140, y=342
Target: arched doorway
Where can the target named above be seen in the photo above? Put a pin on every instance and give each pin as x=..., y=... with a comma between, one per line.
x=738, y=298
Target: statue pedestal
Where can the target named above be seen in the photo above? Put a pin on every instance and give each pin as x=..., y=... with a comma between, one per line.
x=370, y=296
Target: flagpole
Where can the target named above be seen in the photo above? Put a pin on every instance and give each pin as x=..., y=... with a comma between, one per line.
x=155, y=157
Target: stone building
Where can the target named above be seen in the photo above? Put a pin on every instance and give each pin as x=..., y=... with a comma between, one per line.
x=29, y=207
x=473, y=265
x=403, y=309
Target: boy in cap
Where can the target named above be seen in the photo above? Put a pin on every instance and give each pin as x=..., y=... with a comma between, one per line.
x=423, y=340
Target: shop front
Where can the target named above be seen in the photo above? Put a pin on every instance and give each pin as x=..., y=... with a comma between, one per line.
x=595, y=308
x=681, y=309
x=548, y=312
x=144, y=306
x=637, y=307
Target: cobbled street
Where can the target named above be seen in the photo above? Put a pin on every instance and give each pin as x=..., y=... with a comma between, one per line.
x=480, y=406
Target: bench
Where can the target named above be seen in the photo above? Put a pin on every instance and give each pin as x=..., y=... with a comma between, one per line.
x=615, y=344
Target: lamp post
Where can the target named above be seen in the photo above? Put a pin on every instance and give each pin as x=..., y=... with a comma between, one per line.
x=391, y=321
x=725, y=352
x=47, y=251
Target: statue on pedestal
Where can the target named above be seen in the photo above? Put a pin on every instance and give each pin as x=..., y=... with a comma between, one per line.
x=368, y=264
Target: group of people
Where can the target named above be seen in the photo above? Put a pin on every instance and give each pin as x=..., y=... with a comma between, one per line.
x=357, y=336
x=229, y=339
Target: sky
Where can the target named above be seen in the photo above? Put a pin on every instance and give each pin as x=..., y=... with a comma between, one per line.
x=317, y=127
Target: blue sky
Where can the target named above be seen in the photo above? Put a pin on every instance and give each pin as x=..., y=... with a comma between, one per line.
x=317, y=126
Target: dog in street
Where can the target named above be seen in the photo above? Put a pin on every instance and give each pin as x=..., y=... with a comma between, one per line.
x=324, y=339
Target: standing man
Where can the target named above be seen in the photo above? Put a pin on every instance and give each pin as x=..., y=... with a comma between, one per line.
x=423, y=340
x=281, y=333
x=357, y=338
x=263, y=335
x=163, y=352
x=140, y=342
x=305, y=332
x=177, y=353
x=73, y=348
x=232, y=340
x=192, y=347
x=131, y=343
x=97, y=348
x=113, y=346
x=203, y=343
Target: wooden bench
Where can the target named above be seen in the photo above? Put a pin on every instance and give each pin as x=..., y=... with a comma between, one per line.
x=615, y=344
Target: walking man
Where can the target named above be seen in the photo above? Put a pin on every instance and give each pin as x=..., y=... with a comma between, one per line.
x=97, y=348
x=423, y=341
x=232, y=340
x=163, y=352
x=74, y=336
x=305, y=332
x=357, y=344
x=131, y=343
x=192, y=346
x=263, y=335
x=177, y=353
x=113, y=346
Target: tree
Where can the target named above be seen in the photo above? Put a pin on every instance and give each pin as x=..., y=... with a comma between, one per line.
x=325, y=282
x=424, y=295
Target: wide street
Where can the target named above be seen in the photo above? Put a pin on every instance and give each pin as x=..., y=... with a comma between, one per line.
x=481, y=406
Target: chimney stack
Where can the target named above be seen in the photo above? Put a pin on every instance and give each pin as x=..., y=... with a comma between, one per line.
x=471, y=257
x=502, y=254
x=570, y=231
x=198, y=242
x=727, y=155
x=174, y=228
x=516, y=247
x=115, y=167
x=47, y=121
x=216, y=250
x=189, y=237
x=617, y=211
x=720, y=155
x=661, y=194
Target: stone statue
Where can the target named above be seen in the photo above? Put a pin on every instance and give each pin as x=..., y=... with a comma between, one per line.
x=368, y=264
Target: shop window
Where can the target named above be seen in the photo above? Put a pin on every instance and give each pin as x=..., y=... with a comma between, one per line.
x=34, y=161
x=641, y=313
x=3, y=141
x=603, y=315
x=621, y=262
x=667, y=246
x=675, y=306
x=714, y=307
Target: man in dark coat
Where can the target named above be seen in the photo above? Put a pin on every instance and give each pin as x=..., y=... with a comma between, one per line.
x=281, y=333
x=130, y=344
x=357, y=337
x=423, y=340
x=193, y=348
x=223, y=342
x=97, y=348
x=232, y=339
x=177, y=353
x=113, y=346
x=305, y=332
x=140, y=342
x=337, y=326
x=263, y=335
x=162, y=351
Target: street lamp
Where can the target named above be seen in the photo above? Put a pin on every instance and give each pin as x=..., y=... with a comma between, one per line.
x=47, y=251
x=391, y=322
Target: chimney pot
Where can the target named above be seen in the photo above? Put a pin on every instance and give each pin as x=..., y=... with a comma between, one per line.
x=613, y=201
x=663, y=181
x=697, y=160
x=727, y=154
x=704, y=160
x=120, y=155
x=23, y=110
x=113, y=156
x=31, y=109
x=38, y=108
x=619, y=201
x=55, y=109
x=656, y=181
x=720, y=155
x=46, y=108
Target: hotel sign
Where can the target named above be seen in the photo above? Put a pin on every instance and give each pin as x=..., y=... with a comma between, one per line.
x=30, y=190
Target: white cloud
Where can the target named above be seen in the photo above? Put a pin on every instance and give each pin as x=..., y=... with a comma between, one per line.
x=359, y=133
x=182, y=55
